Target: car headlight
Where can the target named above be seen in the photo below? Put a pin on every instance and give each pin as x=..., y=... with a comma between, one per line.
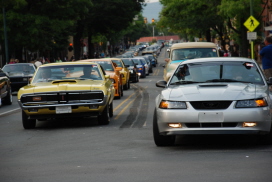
x=251, y=103
x=172, y=105
x=112, y=80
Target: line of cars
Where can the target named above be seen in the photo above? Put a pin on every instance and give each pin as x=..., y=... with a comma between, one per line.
x=84, y=88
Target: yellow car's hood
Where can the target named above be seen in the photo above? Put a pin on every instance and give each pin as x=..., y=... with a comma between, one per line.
x=63, y=85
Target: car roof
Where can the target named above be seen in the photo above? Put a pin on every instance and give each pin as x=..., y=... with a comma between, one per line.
x=79, y=62
x=193, y=45
x=214, y=59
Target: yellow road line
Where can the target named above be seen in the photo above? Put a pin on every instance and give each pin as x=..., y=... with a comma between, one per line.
x=123, y=102
x=123, y=110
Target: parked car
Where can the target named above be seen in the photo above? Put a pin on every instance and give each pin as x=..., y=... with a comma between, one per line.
x=111, y=69
x=5, y=89
x=141, y=65
x=125, y=74
x=134, y=75
x=213, y=96
x=65, y=90
x=185, y=51
x=19, y=74
x=152, y=59
x=148, y=62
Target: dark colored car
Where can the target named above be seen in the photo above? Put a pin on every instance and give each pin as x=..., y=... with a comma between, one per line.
x=19, y=74
x=134, y=75
x=150, y=66
x=5, y=89
x=152, y=59
x=141, y=65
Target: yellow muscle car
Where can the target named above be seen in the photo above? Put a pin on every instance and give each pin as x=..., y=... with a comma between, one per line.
x=124, y=72
x=65, y=90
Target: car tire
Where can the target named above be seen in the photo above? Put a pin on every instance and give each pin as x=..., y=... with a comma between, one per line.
x=122, y=90
x=8, y=99
x=111, y=109
x=28, y=123
x=161, y=140
x=104, y=118
x=128, y=84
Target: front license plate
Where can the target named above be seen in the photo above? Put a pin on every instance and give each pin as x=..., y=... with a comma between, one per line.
x=63, y=109
x=210, y=117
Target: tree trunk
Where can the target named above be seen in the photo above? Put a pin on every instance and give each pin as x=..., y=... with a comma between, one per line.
x=244, y=46
x=208, y=35
x=76, y=40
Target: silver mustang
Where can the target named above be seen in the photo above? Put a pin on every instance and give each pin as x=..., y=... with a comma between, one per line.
x=223, y=95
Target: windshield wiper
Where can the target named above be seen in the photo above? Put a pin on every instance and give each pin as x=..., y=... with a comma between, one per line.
x=183, y=82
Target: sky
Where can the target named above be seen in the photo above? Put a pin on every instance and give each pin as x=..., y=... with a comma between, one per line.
x=152, y=10
x=151, y=1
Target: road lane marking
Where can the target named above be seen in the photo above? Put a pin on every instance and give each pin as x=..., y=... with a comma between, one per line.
x=10, y=111
x=119, y=105
x=123, y=110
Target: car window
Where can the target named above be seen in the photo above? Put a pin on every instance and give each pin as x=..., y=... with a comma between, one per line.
x=82, y=72
x=191, y=53
x=218, y=72
x=119, y=64
x=19, y=69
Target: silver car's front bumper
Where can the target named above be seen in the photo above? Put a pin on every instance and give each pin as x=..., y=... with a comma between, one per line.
x=227, y=121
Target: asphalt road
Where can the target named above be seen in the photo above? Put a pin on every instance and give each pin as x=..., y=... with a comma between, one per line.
x=123, y=151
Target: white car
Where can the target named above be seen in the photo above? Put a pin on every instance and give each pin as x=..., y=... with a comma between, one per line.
x=220, y=95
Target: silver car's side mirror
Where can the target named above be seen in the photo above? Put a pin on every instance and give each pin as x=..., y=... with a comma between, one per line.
x=161, y=83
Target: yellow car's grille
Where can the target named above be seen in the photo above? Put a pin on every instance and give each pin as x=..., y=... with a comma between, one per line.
x=63, y=97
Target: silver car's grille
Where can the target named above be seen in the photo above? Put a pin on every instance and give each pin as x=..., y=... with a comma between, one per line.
x=211, y=104
x=63, y=97
x=210, y=125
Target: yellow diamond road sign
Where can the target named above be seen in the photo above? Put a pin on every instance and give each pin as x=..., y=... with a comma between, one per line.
x=251, y=23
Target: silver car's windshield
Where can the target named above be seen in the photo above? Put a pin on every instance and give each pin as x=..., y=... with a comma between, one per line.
x=217, y=72
x=65, y=72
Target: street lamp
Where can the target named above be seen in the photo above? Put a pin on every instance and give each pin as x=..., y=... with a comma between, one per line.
x=153, y=21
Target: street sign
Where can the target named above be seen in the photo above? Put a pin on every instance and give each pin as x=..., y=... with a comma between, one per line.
x=251, y=35
x=251, y=23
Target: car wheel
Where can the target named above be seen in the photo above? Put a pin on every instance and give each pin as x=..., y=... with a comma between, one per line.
x=104, y=118
x=28, y=123
x=8, y=99
x=111, y=109
x=161, y=140
x=128, y=84
x=122, y=90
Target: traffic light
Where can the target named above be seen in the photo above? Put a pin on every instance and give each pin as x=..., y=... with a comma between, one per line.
x=70, y=48
x=153, y=20
x=145, y=20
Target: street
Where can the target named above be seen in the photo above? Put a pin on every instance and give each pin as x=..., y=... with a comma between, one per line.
x=80, y=150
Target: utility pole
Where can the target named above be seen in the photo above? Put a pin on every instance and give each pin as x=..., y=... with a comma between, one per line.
x=251, y=42
x=5, y=36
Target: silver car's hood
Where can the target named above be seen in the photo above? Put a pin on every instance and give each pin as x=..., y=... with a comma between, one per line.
x=212, y=91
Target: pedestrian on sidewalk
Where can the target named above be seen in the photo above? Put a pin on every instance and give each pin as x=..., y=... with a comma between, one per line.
x=266, y=54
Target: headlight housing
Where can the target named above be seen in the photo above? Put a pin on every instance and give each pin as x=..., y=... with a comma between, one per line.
x=172, y=105
x=251, y=103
